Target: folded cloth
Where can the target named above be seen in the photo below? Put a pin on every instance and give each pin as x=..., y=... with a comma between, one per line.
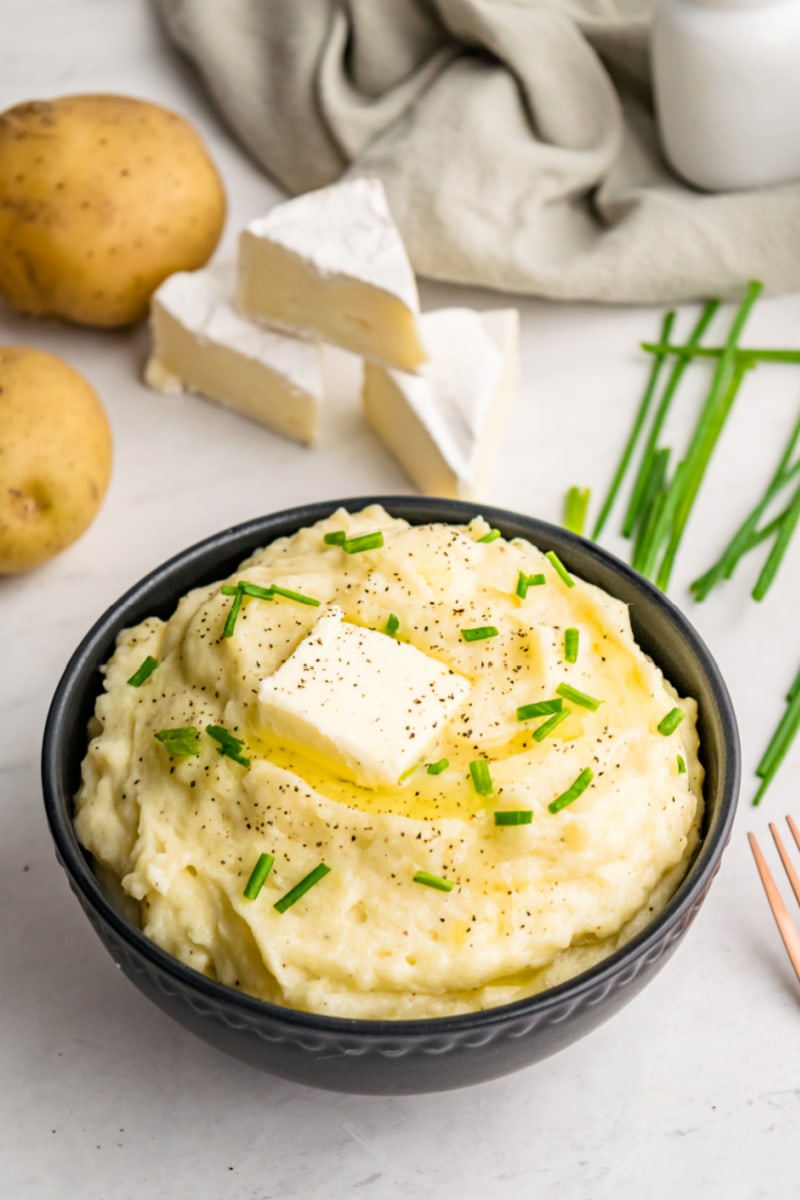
x=515, y=139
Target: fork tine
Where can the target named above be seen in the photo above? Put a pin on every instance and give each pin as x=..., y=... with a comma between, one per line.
x=794, y=878
x=786, y=927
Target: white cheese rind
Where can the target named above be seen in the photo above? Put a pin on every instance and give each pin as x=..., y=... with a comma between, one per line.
x=362, y=701
x=202, y=343
x=445, y=425
x=331, y=265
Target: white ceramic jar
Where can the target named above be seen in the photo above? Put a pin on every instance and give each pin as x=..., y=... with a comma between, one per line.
x=726, y=80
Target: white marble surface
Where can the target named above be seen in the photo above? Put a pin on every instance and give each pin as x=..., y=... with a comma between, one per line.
x=694, y=1087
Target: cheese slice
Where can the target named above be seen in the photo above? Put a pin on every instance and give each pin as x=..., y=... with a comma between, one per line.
x=361, y=702
x=202, y=343
x=446, y=424
x=331, y=265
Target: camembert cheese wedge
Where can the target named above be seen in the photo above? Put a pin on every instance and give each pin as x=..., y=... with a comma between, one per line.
x=201, y=343
x=445, y=425
x=331, y=265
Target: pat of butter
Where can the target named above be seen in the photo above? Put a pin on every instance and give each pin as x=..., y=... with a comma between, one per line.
x=366, y=704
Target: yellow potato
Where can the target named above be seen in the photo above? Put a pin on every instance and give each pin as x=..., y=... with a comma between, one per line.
x=101, y=198
x=55, y=456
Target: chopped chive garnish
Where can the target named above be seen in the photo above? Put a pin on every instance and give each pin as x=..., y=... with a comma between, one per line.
x=229, y=746
x=550, y=724
x=180, y=743
x=434, y=881
x=297, y=596
x=576, y=506
x=248, y=589
x=480, y=633
x=436, y=768
x=513, y=816
x=337, y=538
x=258, y=875
x=392, y=625
x=143, y=672
x=230, y=622
x=571, y=643
x=671, y=721
x=300, y=889
x=367, y=541
x=526, y=581
x=491, y=536
x=481, y=777
x=541, y=708
x=579, y=698
x=573, y=791
x=681, y=761
x=780, y=741
x=559, y=568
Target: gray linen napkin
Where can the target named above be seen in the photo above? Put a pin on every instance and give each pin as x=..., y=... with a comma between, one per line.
x=515, y=139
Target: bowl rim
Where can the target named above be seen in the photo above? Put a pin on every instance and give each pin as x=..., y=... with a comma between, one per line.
x=87, y=658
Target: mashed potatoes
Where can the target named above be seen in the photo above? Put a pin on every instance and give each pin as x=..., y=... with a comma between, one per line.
x=414, y=898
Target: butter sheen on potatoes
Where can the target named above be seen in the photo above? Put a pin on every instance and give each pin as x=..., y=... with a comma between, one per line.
x=101, y=198
x=55, y=457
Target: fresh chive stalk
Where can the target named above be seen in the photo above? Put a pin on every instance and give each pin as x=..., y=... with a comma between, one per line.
x=559, y=568
x=651, y=520
x=481, y=777
x=180, y=743
x=780, y=546
x=571, y=644
x=748, y=535
x=526, y=581
x=576, y=506
x=638, y=425
x=580, y=698
x=143, y=672
x=228, y=745
x=755, y=353
x=669, y=723
x=573, y=791
x=780, y=741
x=676, y=375
x=547, y=727
x=433, y=881
x=541, y=708
x=513, y=816
x=300, y=889
x=480, y=633
x=436, y=768
x=258, y=875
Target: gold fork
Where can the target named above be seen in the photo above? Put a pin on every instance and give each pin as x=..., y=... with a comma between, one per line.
x=786, y=927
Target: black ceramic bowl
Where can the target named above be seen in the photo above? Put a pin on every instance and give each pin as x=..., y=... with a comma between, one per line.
x=392, y=1057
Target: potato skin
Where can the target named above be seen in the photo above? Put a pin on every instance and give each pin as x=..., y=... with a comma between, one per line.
x=101, y=198
x=55, y=456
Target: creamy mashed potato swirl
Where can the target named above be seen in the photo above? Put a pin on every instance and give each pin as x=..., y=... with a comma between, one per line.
x=529, y=905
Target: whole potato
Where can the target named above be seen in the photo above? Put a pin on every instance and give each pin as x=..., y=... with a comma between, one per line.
x=55, y=456
x=101, y=198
